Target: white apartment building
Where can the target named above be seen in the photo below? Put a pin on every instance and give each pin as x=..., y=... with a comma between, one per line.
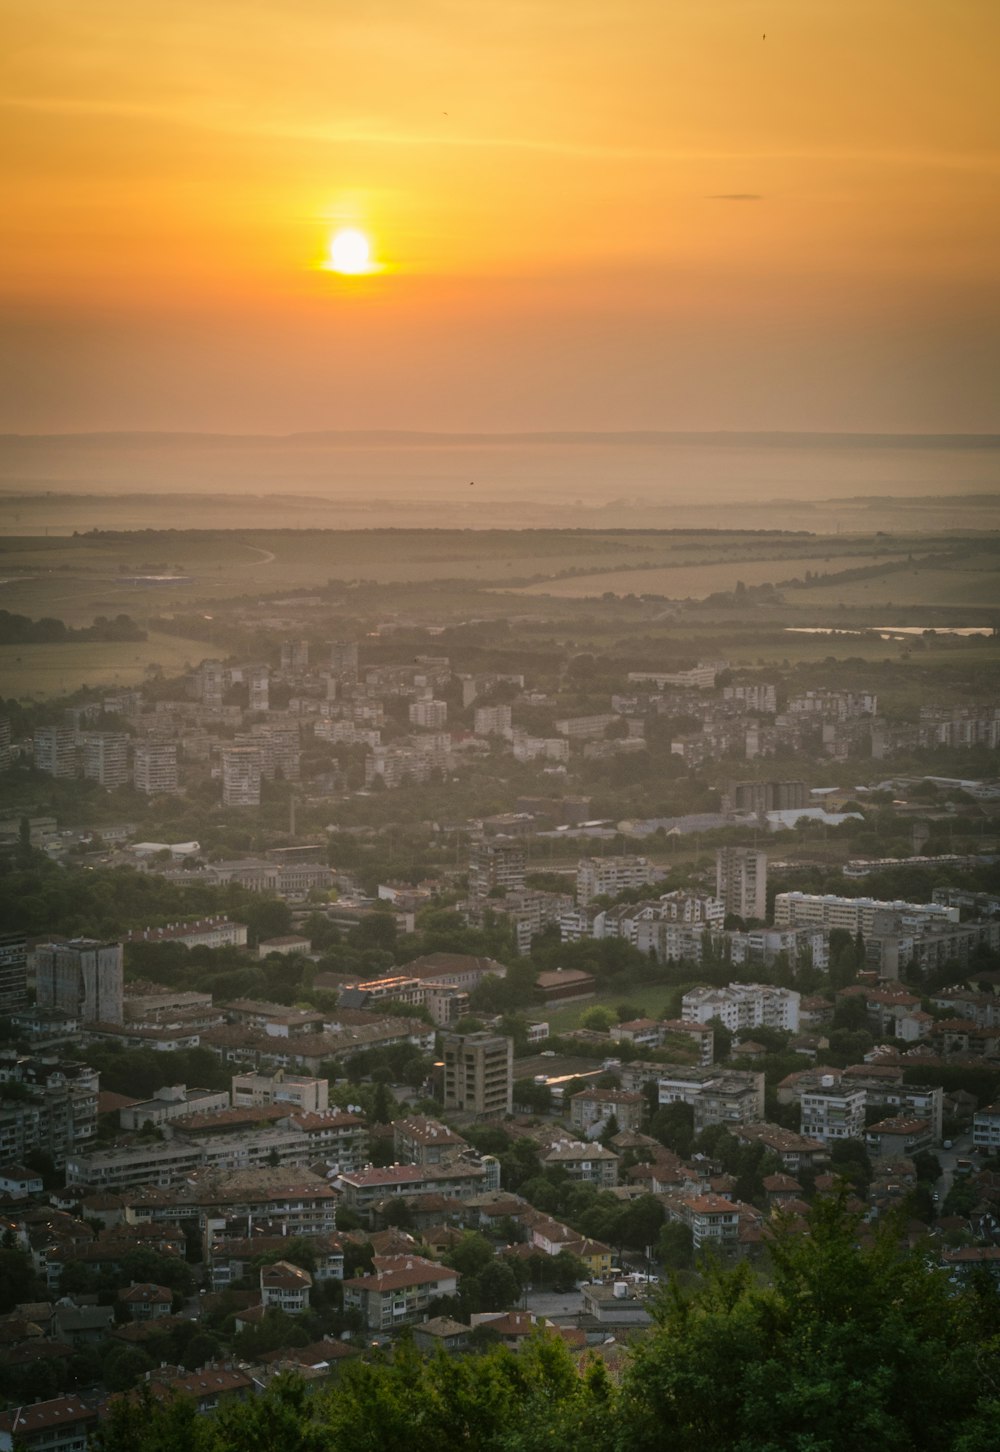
x=241, y=774
x=105, y=758
x=430, y=714
x=155, y=768
x=855, y=914
x=608, y=876
x=743, y=1006
x=833, y=1111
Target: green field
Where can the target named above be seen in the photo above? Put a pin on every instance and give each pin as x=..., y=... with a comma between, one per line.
x=653, y=998
x=36, y=672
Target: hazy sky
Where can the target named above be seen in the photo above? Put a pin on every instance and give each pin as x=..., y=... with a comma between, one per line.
x=678, y=214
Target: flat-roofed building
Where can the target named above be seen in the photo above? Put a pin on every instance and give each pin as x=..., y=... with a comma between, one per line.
x=155, y=768
x=83, y=978
x=478, y=1073
x=299, y=1091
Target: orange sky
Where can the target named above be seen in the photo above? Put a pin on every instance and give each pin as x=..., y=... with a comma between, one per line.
x=638, y=214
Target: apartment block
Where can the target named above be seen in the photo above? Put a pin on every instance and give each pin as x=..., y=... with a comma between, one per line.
x=83, y=978
x=13, y=972
x=743, y=1006
x=833, y=1111
x=241, y=775
x=55, y=750
x=608, y=876
x=496, y=864
x=478, y=1074
x=155, y=768
x=741, y=881
x=105, y=758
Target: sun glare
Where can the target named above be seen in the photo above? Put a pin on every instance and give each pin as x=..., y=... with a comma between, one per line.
x=350, y=252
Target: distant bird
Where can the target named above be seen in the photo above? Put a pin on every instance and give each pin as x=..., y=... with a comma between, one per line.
x=472, y=483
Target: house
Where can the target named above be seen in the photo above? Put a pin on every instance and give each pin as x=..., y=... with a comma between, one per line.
x=399, y=1290
x=18, y=1181
x=145, y=1301
x=592, y=1109
x=590, y=1164
x=213, y=1386
x=898, y=1138
x=441, y=1331
x=285, y=1286
x=63, y=1424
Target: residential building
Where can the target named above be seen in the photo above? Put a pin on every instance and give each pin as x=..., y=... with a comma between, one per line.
x=56, y=1112
x=241, y=774
x=588, y=1164
x=105, y=758
x=496, y=865
x=592, y=1109
x=741, y=881
x=285, y=1287
x=145, y=1301
x=492, y=721
x=63, y=1424
x=13, y=972
x=832, y=1111
x=743, y=1006
x=730, y=1097
x=336, y=1136
x=986, y=1129
x=855, y=914
x=608, y=876
x=898, y=1138
x=429, y=714
x=155, y=768
x=83, y=978
x=422, y=1141
x=478, y=1073
x=55, y=750
x=399, y=1291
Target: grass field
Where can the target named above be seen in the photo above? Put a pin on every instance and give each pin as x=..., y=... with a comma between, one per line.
x=696, y=581
x=653, y=998
x=36, y=672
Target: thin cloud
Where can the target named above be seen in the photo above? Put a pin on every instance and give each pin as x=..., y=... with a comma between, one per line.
x=735, y=197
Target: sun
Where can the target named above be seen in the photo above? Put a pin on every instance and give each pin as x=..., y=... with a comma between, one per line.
x=350, y=252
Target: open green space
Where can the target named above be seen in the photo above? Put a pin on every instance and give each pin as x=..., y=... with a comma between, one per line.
x=654, y=999
x=36, y=672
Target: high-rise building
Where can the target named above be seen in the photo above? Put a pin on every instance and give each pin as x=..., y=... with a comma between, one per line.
x=105, y=757
x=55, y=750
x=6, y=746
x=13, y=972
x=478, y=1074
x=155, y=770
x=344, y=659
x=258, y=688
x=430, y=714
x=83, y=978
x=496, y=864
x=295, y=655
x=241, y=773
x=741, y=881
